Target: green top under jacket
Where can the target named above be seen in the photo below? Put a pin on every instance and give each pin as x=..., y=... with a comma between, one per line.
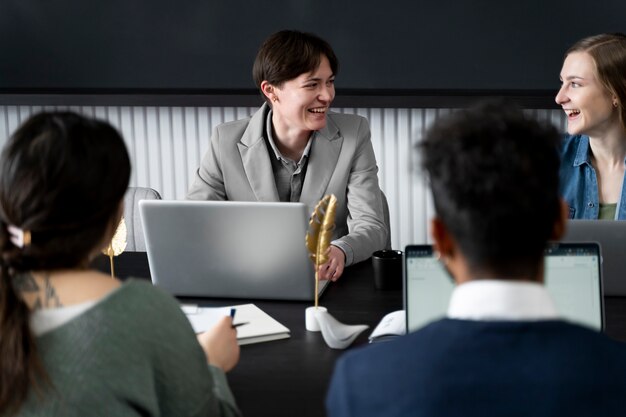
x=133, y=354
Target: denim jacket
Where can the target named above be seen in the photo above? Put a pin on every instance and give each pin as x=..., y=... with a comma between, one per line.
x=578, y=181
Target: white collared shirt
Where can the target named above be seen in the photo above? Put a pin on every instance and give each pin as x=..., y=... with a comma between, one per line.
x=491, y=299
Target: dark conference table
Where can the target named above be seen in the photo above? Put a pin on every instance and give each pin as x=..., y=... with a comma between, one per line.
x=290, y=377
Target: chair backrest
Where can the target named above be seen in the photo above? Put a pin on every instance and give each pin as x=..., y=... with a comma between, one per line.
x=135, y=241
x=386, y=218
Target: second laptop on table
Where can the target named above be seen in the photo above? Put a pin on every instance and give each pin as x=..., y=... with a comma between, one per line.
x=611, y=235
x=572, y=278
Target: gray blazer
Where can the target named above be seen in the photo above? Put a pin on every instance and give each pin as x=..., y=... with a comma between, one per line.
x=341, y=161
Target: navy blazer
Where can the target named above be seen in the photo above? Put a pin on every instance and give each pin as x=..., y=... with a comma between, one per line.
x=478, y=368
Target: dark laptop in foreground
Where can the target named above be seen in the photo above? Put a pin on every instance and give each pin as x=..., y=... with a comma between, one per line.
x=611, y=235
x=248, y=250
x=572, y=277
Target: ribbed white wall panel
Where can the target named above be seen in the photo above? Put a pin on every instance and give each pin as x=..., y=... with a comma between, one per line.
x=167, y=143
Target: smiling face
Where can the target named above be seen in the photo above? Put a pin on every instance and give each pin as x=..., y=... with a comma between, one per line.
x=587, y=103
x=300, y=105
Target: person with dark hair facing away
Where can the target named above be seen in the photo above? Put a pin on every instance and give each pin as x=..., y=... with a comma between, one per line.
x=593, y=96
x=502, y=350
x=294, y=150
x=74, y=341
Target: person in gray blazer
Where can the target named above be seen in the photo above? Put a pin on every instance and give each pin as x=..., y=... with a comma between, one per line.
x=294, y=149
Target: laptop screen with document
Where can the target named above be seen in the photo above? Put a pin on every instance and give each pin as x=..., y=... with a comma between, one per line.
x=572, y=278
x=610, y=235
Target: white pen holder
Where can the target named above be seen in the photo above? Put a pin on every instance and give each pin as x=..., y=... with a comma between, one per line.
x=310, y=321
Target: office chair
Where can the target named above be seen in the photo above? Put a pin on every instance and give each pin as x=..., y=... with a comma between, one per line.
x=135, y=241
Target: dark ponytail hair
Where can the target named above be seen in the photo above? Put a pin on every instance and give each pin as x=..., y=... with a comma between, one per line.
x=62, y=178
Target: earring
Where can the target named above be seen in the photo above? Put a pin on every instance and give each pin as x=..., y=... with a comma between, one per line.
x=441, y=258
x=615, y=104
x=274, y=99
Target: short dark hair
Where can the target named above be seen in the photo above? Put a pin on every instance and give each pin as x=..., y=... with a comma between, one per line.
x=287, y=54
x=494, y=178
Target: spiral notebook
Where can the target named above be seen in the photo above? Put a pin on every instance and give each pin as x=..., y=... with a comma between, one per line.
x=245, y=250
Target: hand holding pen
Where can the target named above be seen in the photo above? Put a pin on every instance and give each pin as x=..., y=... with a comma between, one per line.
x=220, y=344
x=232, y=316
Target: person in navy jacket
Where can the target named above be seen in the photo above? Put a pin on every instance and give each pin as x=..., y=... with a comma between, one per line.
x=502, y=350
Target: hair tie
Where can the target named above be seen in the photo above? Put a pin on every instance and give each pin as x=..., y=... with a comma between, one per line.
x=20, y=238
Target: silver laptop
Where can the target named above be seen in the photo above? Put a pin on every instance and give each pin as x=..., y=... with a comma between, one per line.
x=249, y=250
x=611, y=235
x=572, y=277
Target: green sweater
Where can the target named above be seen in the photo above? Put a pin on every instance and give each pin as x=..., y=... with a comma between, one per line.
x=132, y=354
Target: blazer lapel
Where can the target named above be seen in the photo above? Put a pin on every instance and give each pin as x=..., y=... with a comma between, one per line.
x=322, y=163
x=255, y=158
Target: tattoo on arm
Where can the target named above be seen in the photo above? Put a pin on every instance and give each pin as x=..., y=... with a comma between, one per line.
x=45, y=297
x=51, y=299
x=25, y=282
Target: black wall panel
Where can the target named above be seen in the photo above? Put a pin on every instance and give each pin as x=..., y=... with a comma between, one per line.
x=402, y=47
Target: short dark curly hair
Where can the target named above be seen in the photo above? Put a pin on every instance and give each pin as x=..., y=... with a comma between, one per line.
x=494, y=175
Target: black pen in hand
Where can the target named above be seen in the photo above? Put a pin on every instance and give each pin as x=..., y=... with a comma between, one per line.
x=232, y=317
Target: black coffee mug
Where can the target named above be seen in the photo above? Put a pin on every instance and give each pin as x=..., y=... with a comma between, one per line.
x=387, y=266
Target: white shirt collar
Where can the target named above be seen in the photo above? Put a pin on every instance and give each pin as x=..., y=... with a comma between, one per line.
x=491, y=299
x=48, y=319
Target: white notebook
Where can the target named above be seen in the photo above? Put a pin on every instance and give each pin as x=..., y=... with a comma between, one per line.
x=390, y=327
x=259, y=327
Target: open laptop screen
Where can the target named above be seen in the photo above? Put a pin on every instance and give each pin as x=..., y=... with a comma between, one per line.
x=572, y=277
x=230, y=249
x=610, y=235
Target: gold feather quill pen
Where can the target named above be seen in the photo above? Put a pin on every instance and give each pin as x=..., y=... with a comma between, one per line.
x=319, y=235
x=117, y=244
